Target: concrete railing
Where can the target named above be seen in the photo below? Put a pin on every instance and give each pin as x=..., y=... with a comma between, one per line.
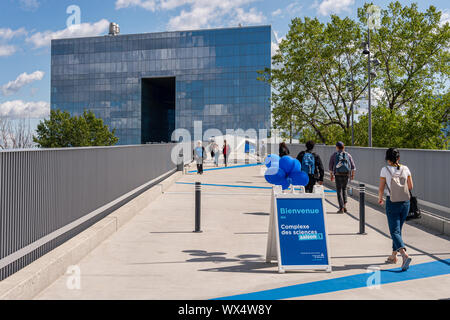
x=49, y=196
x=430, y=170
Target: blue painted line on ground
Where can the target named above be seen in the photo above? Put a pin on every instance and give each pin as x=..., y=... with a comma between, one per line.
x=418, y=271
x=237, y=186
x=232, y=167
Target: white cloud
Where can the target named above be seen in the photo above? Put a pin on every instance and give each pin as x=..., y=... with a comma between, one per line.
x=277, y=12
x=294, y=8
x=21, y=81
x=22, y=109
x=7, y=50
x=29, y=5
x=327, y=7
x=146, y=4
x=5, y=35
x=208, y=13
x=42, y=39
x=8, y=34
x=200, y=13
x=445, y=16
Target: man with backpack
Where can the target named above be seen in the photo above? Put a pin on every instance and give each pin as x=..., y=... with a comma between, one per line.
x=312, y=166
x=342, y=168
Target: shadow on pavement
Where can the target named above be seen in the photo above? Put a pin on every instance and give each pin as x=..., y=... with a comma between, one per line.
x=257, y=213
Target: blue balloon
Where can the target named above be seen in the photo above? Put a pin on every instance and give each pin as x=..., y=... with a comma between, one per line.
x=287, y=163
x=297, y=167
x=299, y=178
x=286, y=184
x=275, y=175
x=271, y=160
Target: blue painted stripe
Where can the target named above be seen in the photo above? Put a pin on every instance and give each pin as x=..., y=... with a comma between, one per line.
x=232, y=167
x=237, y=186
x=226, y=185
x=418, y=271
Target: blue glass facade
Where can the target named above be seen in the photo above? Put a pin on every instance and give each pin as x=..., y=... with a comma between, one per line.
x=214, y=74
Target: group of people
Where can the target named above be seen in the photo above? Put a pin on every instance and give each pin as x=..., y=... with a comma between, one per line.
x=395, y=180
x=200, y=155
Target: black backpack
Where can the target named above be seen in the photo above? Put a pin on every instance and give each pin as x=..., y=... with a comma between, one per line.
x=414, y=210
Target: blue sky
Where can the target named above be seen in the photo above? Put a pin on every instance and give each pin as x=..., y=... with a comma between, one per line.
x=27, y=26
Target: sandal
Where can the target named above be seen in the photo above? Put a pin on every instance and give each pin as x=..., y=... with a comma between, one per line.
x=391, y=261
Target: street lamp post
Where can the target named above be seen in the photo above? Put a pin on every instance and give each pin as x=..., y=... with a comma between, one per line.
x=370, y=90
x=350, y=88
x=373, y=22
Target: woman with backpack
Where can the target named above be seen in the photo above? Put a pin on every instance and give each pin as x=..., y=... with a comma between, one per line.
x=397, y=179
x=312, y=166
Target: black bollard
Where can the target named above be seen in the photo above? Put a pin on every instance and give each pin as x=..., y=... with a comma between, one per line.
x=362, y=209
x=198, y=206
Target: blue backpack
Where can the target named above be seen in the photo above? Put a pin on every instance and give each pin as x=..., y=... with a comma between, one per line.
x=308, y=163
x=342, y=163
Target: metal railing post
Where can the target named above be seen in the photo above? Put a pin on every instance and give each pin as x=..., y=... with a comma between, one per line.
x=362, y=209
x=198, y=207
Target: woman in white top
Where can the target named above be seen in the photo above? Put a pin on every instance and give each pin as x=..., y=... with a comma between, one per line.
x=396, y=212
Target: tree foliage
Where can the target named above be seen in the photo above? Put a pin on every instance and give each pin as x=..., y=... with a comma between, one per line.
x=320, y=74
x=64, y=131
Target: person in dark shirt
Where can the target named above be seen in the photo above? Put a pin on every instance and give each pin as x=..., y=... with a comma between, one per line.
x=342, y=168
x=312, y=166
x=284, y=150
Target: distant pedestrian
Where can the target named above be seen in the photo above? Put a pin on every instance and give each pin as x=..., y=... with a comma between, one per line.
x=312, y=166
x=262, y=151
x=283, y=150
x=215, y=153
x=397, y=179
x=342, y=168
x=199, y=155
x=226, y=150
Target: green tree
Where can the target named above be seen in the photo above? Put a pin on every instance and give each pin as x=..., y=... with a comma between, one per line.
x=320, y=75
x=315, y=67
x=412, y=47
x=64, y=131
x=417, y=127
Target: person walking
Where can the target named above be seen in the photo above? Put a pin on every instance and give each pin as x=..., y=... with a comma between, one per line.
x=397, y=179
x=199, y=155
x=312, y=166
x=215, y=153
x=342, y=168
x=283, y=150
x=262, y=151
x=226, y=150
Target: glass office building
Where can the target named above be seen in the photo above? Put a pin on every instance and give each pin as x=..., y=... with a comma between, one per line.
x=146, y=85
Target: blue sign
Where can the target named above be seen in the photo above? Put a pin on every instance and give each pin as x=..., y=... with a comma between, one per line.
x=302, y=233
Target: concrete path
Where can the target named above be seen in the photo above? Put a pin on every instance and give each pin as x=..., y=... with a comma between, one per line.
x=156, y=255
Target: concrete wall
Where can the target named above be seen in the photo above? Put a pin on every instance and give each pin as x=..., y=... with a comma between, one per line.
x=49, y=196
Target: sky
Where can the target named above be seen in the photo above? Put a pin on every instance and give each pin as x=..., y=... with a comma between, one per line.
x=27, y=27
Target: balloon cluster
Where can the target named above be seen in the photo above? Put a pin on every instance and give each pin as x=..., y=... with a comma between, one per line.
x=285, y=171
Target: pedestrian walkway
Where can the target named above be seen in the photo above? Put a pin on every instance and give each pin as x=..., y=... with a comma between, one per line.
x=156, y=255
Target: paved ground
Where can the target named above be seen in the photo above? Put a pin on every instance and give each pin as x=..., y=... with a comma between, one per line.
x=156, y=255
